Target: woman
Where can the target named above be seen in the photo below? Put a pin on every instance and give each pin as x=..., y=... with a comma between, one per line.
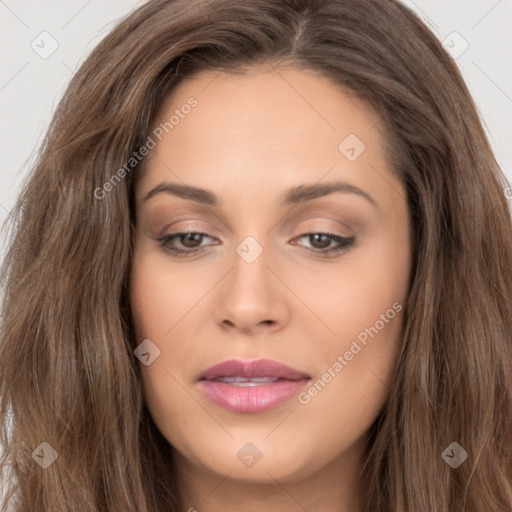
x=264, y=262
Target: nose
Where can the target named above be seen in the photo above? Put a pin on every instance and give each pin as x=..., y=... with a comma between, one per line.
x=252, y=298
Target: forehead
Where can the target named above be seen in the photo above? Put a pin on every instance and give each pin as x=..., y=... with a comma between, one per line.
x=267, y=128
x=266, y=97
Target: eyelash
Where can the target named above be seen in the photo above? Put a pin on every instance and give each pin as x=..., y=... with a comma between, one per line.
x=345, y=243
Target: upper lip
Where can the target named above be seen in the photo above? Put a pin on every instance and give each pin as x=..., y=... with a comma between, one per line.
x=257, y=368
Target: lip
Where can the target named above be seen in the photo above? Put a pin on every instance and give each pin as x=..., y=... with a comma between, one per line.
x=252, y=398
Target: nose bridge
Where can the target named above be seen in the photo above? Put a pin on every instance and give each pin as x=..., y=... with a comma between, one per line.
x=250, y=272
x=251, y=295
x=250, y=249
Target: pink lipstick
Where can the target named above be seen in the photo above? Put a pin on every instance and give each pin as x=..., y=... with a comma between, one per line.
x=251, y=386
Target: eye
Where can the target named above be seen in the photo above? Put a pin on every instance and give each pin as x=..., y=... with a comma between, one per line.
x=190, y=240
x=320, y=243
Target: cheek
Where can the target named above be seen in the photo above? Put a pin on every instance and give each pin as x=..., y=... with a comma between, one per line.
x=159, y=300
x=356, y=367
x=160, y=297
x=361, y=304
x=365, y=291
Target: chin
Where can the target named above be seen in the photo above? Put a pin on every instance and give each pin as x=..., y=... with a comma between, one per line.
x=261, y=460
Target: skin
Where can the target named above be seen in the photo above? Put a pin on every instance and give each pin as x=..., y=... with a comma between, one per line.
x=249, y=139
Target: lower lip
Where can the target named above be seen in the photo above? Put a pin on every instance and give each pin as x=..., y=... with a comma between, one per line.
x=251, y=398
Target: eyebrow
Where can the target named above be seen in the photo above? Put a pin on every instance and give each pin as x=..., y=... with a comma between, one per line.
x=292, y=196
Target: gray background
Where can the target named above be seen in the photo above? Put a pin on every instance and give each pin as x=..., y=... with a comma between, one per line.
x=30, y=86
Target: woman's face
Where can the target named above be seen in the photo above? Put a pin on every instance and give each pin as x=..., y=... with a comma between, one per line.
x=283, y=158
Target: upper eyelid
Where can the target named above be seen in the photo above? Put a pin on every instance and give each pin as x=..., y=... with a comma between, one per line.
x=301, y=233
x=316, y=228
x=311, y=212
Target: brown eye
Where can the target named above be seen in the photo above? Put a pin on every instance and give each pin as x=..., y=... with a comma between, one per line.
x=190, y=240
x=320, y=243
x=320, y=240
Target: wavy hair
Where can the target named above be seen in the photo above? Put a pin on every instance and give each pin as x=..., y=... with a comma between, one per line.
x=68, y=372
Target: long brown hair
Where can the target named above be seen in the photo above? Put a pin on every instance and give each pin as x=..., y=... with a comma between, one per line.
x=69, y=377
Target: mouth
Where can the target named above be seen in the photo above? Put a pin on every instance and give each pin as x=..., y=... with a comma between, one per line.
x=251, y=386
x=248, y=381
